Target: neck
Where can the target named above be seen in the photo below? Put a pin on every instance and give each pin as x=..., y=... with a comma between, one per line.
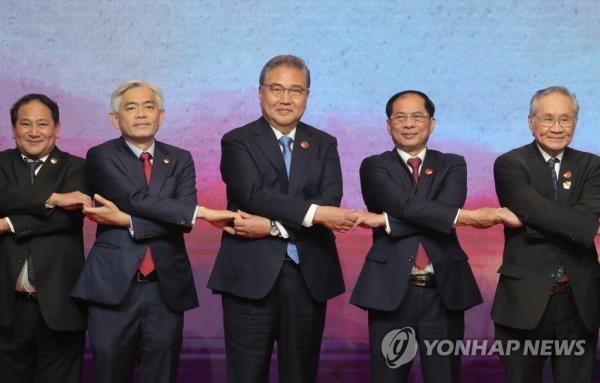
x=142, y=144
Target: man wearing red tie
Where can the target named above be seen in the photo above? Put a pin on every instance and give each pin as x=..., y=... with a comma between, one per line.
x=416, y=275
x=137, y=277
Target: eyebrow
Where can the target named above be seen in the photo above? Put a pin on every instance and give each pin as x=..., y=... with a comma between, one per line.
x=142, y=103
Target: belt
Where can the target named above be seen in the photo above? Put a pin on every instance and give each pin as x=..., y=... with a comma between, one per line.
x=140, y=278
x=32, y=297
x=422, y=280
x=560, y=287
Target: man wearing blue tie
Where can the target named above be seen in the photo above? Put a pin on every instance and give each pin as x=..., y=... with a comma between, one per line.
x=281, y=266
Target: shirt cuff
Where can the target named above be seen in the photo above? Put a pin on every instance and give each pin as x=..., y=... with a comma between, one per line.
x=388, y=229
x=195, y=215
x=131, y=227
x=12, y=228
x=456, y=218
x=310, y=215
x=282, y=231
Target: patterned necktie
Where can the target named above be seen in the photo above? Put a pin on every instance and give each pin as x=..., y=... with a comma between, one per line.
x=551, y=168
x=286, y=145
x=422, y=259
x=147, y=263
x=32, y=165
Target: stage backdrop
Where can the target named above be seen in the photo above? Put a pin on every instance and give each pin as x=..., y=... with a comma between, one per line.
x=479, y=61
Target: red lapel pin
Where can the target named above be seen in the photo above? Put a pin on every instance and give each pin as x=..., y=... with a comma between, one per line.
x=429, y=171
x=567, y=174
x=304, y=145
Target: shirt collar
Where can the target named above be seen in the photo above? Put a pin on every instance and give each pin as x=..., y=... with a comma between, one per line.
x=548, y=156
x=278, y=134
x=405, y=156
x=26, y=159
x=138, y=152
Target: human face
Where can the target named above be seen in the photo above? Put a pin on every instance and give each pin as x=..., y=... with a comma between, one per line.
x=283, y=112
x=553, y=139
x=410, y=136
x=138, y=117
x=35, y=132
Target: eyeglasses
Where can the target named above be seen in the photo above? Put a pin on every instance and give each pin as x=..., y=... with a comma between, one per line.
x=279, y=90
x=418, y=118
x=549, y=120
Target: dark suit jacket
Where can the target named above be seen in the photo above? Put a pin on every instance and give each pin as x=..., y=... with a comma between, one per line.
x=52, y=236
x=423, y=215
x=555, y=232
x=252, y=167
x=159, y=216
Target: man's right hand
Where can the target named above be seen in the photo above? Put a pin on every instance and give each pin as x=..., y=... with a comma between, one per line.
x=4, y=227
x=481, y=218
x=69, y=201
x=335, y=218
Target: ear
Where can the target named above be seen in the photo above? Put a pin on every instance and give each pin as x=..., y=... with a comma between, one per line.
x=530, y=124
x=161, y=117
x=57, y=127
x=114, y=118
x=432, y=125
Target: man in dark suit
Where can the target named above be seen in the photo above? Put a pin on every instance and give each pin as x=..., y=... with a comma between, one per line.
x=549, y=286
x=281, y=266
x=416, y=275
x=42, y=329
x=138, y=279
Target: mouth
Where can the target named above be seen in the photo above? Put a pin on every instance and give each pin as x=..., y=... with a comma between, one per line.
x=408, y=136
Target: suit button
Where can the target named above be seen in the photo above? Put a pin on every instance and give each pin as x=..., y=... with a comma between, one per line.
x=410, y=259
x=552, y=276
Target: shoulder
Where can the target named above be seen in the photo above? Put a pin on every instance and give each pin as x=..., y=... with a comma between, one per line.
x=108, y=146
x=316, y=133
x=450, y=158
x=245, y=131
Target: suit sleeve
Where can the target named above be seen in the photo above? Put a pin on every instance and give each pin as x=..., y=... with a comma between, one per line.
x=577, y=223
x=147, y=211
x=410, y=212
x=241, y=174
x=56, y=219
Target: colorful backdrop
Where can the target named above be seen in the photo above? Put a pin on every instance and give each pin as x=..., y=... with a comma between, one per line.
x=480, y=62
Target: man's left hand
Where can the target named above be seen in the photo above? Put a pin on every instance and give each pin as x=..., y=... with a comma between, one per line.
x=4, y=227
x=251, y=226
x=107, y=214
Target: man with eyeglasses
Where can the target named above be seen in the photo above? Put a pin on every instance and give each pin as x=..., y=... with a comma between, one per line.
x=549, y=286
x=416, y=275
x=281, y=266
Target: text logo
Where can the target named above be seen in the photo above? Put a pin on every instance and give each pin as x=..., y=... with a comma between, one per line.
x=399, y=347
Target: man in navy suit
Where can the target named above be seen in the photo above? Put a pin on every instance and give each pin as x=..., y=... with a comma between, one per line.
x=137, y=277
x=281, y=266
x=416, y=274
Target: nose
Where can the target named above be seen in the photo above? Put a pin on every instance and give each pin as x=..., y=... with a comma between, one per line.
x=140, y=113
x=34, y=131
x=285, y=97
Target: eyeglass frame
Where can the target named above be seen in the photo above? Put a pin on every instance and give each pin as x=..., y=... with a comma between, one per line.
x=405, y=117
x=573, y=120
x=288, y=90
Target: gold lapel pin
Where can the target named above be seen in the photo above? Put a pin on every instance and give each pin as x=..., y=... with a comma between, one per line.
x=429, y=171
x=166, y=161
x=53, y=161
x=567, y=185
x=567, y=174
x=304, y=145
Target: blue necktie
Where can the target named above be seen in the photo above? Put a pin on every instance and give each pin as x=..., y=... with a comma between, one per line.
x=551, y=168
x=32, y=165
x=286, y=145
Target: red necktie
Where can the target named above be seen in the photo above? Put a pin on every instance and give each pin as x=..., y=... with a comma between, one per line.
x=422, y=259
x=147, y=264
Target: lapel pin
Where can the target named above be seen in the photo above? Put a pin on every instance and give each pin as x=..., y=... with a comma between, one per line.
x=53, y=161
x=429, y=171
x=567, y=174
x=166, y=161
x=567, y=185
x=304, y=145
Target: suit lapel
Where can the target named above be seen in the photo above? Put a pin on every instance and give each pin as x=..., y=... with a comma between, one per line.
x=265, y=140
x=51, y=166
x=427, y=173
x=131, y=163
x=540, y=175
x=160, y=166
x=304, y=151
x=20, y=170
x=566, y=177
x=399, y=170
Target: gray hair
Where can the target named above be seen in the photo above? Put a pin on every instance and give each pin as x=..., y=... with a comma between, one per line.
x=550, y=90
x=286, y=60
x=117, y=95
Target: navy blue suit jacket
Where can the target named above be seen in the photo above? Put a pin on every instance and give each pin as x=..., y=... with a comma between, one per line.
x=252, y=167
x=423, y=215
x=160, y=215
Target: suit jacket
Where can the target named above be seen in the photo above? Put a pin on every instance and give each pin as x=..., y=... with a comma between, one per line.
x=425, y=214
x=556, y=232
x=53, y=237
x=253, y=169
x=159, y=215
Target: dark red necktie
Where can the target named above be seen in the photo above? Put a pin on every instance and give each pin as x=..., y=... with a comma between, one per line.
x=147, y=264
x=422, y=259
